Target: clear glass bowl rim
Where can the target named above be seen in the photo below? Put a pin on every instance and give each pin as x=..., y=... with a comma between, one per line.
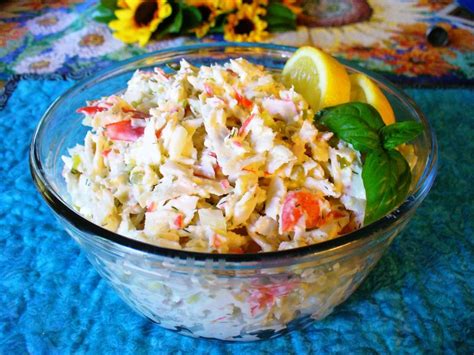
x=64, y=210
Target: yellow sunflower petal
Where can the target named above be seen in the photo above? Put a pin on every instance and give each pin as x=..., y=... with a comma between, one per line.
x=124, y=14
x=165, y=10
x=124, y=37
x=118, y=25
x=133, y=4
x=143, y=38
x=202, y=30
x=122, y=3
x=153, y=25
x=208, y=3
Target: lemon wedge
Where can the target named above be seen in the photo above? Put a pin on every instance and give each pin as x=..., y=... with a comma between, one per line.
x=318, y=77
x=365, y=90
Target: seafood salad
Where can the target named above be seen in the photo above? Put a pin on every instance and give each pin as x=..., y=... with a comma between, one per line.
x=221, y=158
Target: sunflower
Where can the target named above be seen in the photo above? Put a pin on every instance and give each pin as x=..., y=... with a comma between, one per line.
x=246, y=25
x=228, y=5
x=138, y=19
x=209, y=10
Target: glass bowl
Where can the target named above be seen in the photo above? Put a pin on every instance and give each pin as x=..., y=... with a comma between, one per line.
x=222, y=296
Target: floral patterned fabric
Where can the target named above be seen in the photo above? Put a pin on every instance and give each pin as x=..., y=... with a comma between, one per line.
x=59, y=40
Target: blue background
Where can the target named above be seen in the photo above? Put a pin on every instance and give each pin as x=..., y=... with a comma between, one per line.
x=419, y=298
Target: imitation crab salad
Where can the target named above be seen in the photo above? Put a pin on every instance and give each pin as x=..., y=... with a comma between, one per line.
x=221, y=158
x=215, y=159
x=233, y=158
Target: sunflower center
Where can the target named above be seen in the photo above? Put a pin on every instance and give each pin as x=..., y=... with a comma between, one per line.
x=145, y=12
x=244, y=26
x=205, y=12
x=247, y=2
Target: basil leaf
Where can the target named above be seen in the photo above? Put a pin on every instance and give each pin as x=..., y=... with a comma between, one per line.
x=353, y=123
x=400, y=132
x=386, y=176
x=364, y=111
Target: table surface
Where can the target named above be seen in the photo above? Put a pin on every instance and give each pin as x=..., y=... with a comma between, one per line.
x=418, y=299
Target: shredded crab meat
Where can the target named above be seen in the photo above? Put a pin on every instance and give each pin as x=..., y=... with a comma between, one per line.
x=220, y=158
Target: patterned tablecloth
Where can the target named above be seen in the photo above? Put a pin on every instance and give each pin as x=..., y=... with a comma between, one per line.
x=59, y=39
x=418, y=299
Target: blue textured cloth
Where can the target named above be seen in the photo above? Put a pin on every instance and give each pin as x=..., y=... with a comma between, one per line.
x=419, y=298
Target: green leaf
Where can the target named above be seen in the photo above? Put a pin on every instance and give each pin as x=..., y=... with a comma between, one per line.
x=191, y=18
x=385, y=173
x=400, y=132
x=110, y=4
x=280, y=18
x=103, y=19
x=279, y=10
x=217, y=29
x=354, y=122
x=175, y=26
x=103, y=14
x=386, y=176
x=281, y=27
x=281, y=22
x=366, y=112
x=173, y=23
x=219, y=24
